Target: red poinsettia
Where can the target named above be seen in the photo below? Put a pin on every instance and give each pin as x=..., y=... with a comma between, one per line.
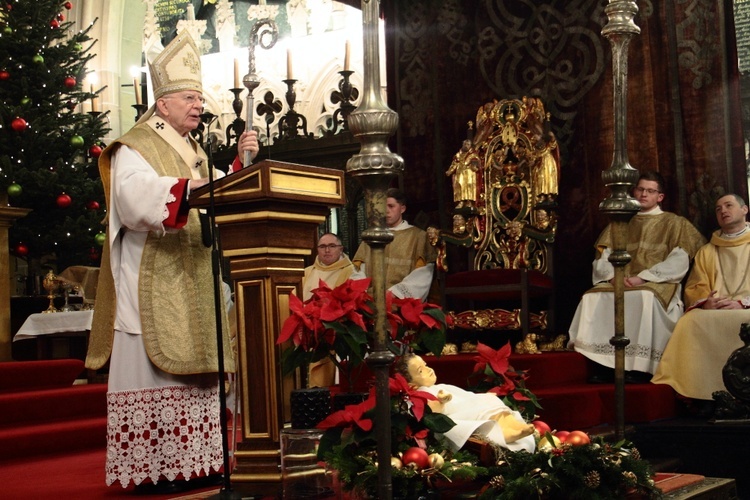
x=418, y=399
x=497, y=376
x=351, y=415
x=339, y=323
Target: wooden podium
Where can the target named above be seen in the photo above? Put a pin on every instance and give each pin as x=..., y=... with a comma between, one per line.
x=268, y=216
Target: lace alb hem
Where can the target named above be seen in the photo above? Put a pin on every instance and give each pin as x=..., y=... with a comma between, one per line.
x=162, y=432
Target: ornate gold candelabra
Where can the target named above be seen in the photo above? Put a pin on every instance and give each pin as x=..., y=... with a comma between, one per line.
x=620, y=207
x=372, y=123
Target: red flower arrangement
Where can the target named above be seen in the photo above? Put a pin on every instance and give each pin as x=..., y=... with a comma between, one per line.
x=494, y=374
x=349, y=444
x=338, y=323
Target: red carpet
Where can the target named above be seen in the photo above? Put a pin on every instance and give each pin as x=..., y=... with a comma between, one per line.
x=77, y=476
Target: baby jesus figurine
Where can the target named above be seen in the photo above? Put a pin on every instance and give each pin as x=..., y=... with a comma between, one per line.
x=482, y=414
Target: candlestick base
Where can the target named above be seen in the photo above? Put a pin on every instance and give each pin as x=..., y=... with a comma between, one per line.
x=139, y=110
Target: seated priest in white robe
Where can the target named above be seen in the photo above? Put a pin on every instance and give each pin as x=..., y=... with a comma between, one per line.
x=661, y=245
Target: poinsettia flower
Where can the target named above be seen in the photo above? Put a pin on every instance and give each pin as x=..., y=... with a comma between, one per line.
x=351, y=415
x=505, y=389
x=418, y=399
x=394, y=320
x=498, y=360
x=413, y=313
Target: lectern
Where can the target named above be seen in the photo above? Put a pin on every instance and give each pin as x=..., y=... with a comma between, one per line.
x=268, y=216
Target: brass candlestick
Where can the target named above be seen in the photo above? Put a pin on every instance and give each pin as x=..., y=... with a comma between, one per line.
x=51, y=284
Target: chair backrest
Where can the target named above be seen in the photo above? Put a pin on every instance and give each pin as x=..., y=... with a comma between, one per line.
x=505, y=184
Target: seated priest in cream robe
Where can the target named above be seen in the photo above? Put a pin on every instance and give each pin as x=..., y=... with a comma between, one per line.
x=333, y=267
x=661, y=245
x=409, y=258
x=718, y=295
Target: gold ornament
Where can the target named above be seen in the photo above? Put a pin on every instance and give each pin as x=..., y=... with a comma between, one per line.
x=544, y=443
x=436, y=460
x=396, y=463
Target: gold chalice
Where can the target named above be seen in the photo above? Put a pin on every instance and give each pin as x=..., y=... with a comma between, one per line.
x=51, y=284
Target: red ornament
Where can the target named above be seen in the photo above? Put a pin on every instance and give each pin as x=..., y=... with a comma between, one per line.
x=64, y=200
x=19, y=124
x=71, y=105
x=416, y=456
x=542, y=427
x=4, y=75
x=92, y=205
x=562, y=435
x=21, y=250
x=577, y=438
x=68, y=5
x=95, y=151
x=54, y=24
x=93, y=253
x=70, y=82
x=61, y=17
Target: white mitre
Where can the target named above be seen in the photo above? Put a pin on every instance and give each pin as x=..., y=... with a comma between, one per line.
x=176, y=68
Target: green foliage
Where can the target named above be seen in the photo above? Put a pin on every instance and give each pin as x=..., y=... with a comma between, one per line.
x=42, y=159
x=596, y=471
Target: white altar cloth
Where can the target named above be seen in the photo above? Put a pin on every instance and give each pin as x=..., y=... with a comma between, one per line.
x=60, y=322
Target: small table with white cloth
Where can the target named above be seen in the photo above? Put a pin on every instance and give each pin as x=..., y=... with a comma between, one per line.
x=46, y=327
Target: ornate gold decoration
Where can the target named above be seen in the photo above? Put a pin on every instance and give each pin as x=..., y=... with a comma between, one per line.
x=505, y=184
x=449, y=349
x=51, y=283
x=468, y=347
x=556, y=344
x=528, y=345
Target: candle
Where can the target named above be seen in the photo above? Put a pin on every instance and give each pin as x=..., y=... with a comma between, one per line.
x=94, y=107
x=289, y=65
x=347, y=49
x=190, y=12
x=236, y=74
x=137, y=89
x=261, y=2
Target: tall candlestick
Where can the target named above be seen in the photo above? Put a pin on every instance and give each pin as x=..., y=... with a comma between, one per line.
x=94, y=106
x=137, y=89
x=289, y=74
x=236, y=74
x=347, y=49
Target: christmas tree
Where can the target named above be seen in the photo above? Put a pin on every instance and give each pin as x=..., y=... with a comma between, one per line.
x=48, y=146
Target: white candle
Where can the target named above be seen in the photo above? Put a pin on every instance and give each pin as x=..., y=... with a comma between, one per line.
x=289, y=65
x=94, y=106
x=347, y=49
x=137, y=89
x=236, y=74
x=190, y=12
x=262, y=2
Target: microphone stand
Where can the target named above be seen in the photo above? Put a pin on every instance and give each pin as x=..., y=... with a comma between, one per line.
x=226, y=492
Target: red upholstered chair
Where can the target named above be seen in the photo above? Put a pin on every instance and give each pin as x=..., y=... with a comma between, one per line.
x=505, y=180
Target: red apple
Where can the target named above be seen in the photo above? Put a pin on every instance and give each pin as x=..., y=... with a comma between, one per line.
x=562, y=435
x=577, y=438
x=417, y=456
x=541, y=427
